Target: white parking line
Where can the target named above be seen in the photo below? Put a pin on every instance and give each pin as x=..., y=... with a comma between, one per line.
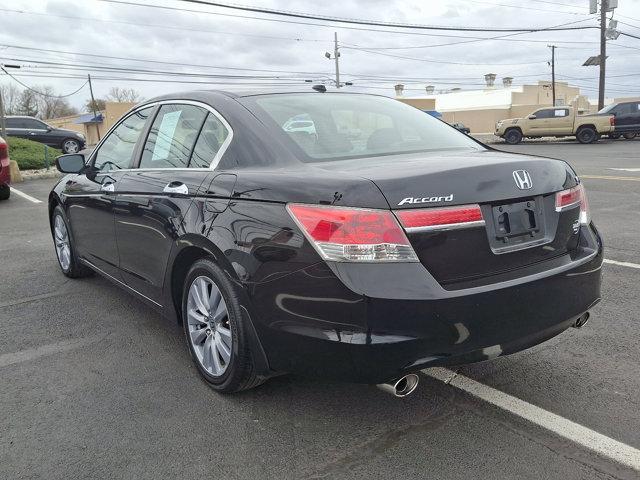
x=603, y=445
x=24, y=195
x=621, y=264
x=44, y=350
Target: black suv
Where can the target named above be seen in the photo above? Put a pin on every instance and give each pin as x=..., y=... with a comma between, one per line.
x=627, y=116
x=38, y=131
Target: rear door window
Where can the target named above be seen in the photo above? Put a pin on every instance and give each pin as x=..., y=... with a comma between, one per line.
x=172, y=136
x=14, y=123
x=212, y=136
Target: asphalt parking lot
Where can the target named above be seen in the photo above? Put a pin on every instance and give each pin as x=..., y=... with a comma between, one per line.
x=94, y=385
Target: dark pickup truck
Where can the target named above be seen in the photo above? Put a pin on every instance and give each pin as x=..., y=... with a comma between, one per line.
x=627, y=118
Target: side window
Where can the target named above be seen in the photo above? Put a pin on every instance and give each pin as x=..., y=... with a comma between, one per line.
x=544, y=113
x=13, y=123
x=33, y=124
x=172, y=136
x=211, y=138
x=116, y=152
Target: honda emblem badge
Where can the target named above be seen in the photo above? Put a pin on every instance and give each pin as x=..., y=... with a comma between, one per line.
x=522, y=179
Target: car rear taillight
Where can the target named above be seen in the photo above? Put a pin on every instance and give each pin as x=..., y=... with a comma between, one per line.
x=571, y=198
x=4, y=151
x=424, y=219
x=612, y=120
x=353, y=234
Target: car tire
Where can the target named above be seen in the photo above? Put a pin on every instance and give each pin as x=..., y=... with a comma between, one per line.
x=216, y=329
x=513, y=136
x=587, y=135
x=630, y=135
x=70, y=145
x=5, y=192
x=63, y=244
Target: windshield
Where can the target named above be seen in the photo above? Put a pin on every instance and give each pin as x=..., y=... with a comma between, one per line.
x=608, y=108
x=335, y=126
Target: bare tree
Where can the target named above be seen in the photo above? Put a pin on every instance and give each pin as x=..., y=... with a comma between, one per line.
x=11, y=98
x=52, y=106
x=117, y=94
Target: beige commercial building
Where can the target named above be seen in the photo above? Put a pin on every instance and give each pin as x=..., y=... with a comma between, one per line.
x=481, y=109
x=92, y=126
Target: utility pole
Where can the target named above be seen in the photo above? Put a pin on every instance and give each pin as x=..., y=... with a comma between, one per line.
x=93, y=105
x=3, y=123
x=336, y=55
x=553, y=73
x=604, y=6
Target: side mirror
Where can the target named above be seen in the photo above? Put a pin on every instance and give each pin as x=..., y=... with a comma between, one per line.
x=532, y=117
x=49, y=128
x=71, y=163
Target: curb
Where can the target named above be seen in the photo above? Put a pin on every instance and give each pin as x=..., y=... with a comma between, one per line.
x=50, y=172
x=14, y=172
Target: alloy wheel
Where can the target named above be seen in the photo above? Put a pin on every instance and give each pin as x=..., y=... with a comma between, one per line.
x=70, y=146
x=209, y=329
x=61, y=239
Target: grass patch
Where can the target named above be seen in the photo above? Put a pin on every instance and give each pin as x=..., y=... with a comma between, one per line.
x=29, y=154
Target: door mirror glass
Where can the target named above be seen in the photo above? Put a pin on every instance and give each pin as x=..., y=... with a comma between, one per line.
x=71, y=163
x=532, y=117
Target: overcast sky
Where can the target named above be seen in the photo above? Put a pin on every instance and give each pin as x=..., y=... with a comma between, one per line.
x=217, y=42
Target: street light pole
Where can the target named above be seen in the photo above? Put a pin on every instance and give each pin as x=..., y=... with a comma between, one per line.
x=604, y=4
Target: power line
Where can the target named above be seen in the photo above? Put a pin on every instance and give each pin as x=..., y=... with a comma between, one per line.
x=66, y=52
x=444, y=62
x=41, y=93
x=508, y=5
x=349, y=21
x=164, y=26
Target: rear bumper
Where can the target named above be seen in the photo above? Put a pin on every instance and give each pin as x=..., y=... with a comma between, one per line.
x=331, y=322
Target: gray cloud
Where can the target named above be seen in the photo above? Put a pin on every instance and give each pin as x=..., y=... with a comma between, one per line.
x=187, y=37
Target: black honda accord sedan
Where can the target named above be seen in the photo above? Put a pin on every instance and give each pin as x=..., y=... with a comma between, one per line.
x=374, y=242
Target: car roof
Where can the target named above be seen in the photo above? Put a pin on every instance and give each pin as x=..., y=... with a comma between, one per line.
x=241, y=93
x=21, y=116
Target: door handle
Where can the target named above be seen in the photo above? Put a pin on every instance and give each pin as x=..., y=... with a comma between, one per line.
x=176, y=188
x=108, y=187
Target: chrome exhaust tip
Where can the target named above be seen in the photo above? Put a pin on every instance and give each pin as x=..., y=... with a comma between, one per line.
x=582, y=321
x=401, y=387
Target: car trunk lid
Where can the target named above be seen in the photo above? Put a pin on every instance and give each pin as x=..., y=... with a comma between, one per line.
x=515, y=193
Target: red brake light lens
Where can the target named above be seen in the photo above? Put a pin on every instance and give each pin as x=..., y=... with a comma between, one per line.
x=4, y=151
x=353, y=234
x=462, y=216
x=571, y=198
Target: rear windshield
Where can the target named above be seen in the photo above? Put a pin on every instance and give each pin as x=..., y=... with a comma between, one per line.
x=335, y=126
